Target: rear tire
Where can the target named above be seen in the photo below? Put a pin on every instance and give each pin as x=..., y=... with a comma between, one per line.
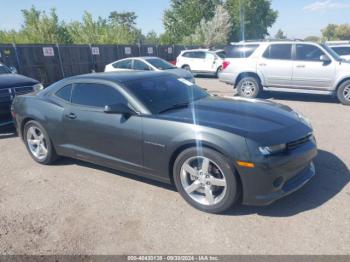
x=343, y=93
x=218, y=71
x=249, y=87
x=38, y=143
x=206, y=180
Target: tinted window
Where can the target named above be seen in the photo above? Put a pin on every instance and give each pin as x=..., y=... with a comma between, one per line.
x=240, y=51
x=221, y=54
x=160, y=63
x=125, y=64
x=279, y=51
x=4, y=70
x=209, y=56
x=200, y=55
x=342, y=50
x=96, y=95
x=308, y=52
x=160, y=93
x=65, y=92
x=188, y=54
x=139, y=65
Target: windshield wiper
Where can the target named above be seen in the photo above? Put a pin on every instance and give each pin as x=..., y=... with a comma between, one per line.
x=175, y=106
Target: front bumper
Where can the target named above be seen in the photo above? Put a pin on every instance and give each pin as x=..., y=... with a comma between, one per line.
x=279, y=176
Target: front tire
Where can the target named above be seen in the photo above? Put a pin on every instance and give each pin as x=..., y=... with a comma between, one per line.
x=249, y=87
x=206, y=180
x=38, y=143
x=343, y=93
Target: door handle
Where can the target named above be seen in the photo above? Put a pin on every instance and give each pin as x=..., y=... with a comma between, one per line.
x=300, y=66
x=262, y=64
x=71, y=116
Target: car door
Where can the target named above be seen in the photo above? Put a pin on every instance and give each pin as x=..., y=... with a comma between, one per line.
x=209, y=64
x=309, y=71
x=140, y=65
x=114, y=140
x=276, y=65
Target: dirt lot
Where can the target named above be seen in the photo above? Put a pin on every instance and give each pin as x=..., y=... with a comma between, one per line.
x=77, y=208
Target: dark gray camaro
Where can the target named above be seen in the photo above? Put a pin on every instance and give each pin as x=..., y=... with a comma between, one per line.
x=152, y=124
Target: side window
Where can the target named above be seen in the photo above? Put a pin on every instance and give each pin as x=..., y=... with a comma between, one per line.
x=65, y=93
x=125, y=64
x=240, y=51
x=188, y=54
x=342, y=50
x=96, y=95
x=200, y=55
x=209, y=56
x=139, y=65
x=308, y=52
x=279, y=51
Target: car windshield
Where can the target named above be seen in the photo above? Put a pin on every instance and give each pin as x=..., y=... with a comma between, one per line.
x=160, y=63
x=4, y=70
x=165, y=93
x=332, y=52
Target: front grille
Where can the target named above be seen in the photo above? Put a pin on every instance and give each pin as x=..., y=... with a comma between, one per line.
x=23, y=90
x=9, y=93
x=294, y=144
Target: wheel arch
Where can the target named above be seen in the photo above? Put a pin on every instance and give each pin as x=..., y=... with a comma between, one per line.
x=341, y=82
x=248, y=74
x=183, y=147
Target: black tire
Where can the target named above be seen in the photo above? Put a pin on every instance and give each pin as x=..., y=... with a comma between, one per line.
x=255, y=85
x=187, y=68
x=218, y=71
x=232, y=188
x=343, y=93
x=51, y=155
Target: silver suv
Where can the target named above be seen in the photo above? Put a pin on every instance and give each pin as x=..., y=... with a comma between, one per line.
x=286, y=66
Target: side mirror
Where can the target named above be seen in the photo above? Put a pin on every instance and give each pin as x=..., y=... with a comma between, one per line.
x=325, y=59
x=119, y=109
x=13, y=70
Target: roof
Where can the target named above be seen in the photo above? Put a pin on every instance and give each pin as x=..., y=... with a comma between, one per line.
x=121, y=77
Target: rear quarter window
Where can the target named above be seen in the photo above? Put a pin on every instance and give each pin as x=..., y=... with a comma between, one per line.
x=240, y=51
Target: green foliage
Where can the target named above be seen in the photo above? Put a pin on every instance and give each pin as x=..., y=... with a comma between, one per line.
x=38, y=27
x=280, y=35
x=212, y=32
x=183, y=17
x=152, y=38
x=336, y=32
x=257, y=17
x=312, y=39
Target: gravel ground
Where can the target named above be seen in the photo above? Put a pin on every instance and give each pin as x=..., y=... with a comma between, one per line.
x=78, y=208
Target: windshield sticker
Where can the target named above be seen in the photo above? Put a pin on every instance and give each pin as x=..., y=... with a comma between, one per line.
x=186, y=82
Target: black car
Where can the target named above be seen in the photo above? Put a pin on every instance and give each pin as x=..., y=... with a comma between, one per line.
x=11, y=85
x=155, y=125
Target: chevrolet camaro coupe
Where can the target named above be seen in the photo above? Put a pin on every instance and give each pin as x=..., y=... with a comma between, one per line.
x=216, y=151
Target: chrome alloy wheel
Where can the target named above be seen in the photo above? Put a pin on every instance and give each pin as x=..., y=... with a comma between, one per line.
x=248, y=88
x=37, y=143
x=203, y=180
x=346, y=93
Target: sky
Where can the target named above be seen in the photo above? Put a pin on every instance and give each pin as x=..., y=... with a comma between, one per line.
x=297, y=18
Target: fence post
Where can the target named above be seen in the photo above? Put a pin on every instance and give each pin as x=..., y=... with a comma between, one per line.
x=93, y=70
x=60, y=60
x=17, y=57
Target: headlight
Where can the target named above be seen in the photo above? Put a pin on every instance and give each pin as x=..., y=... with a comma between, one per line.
x=303, y=119
x=38, y=87
x=270, y=150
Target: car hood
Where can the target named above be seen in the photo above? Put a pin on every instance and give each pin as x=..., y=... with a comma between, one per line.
x=179, y=73
x=15, y=80
x=259, y=120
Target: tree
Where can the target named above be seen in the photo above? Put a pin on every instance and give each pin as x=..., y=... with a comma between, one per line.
x=250, y=18
x=152, y=38
x=336, y=32
x=127, y=19
x=183, y=17
x=280, y=35
x=312, y=38
x=212, y=32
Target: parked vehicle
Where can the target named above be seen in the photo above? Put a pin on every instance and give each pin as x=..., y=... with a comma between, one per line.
x=165, y=128
x=201, y=61
x=11, y=85
x=148, y=64
x=342, y=48
x=286, y=66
